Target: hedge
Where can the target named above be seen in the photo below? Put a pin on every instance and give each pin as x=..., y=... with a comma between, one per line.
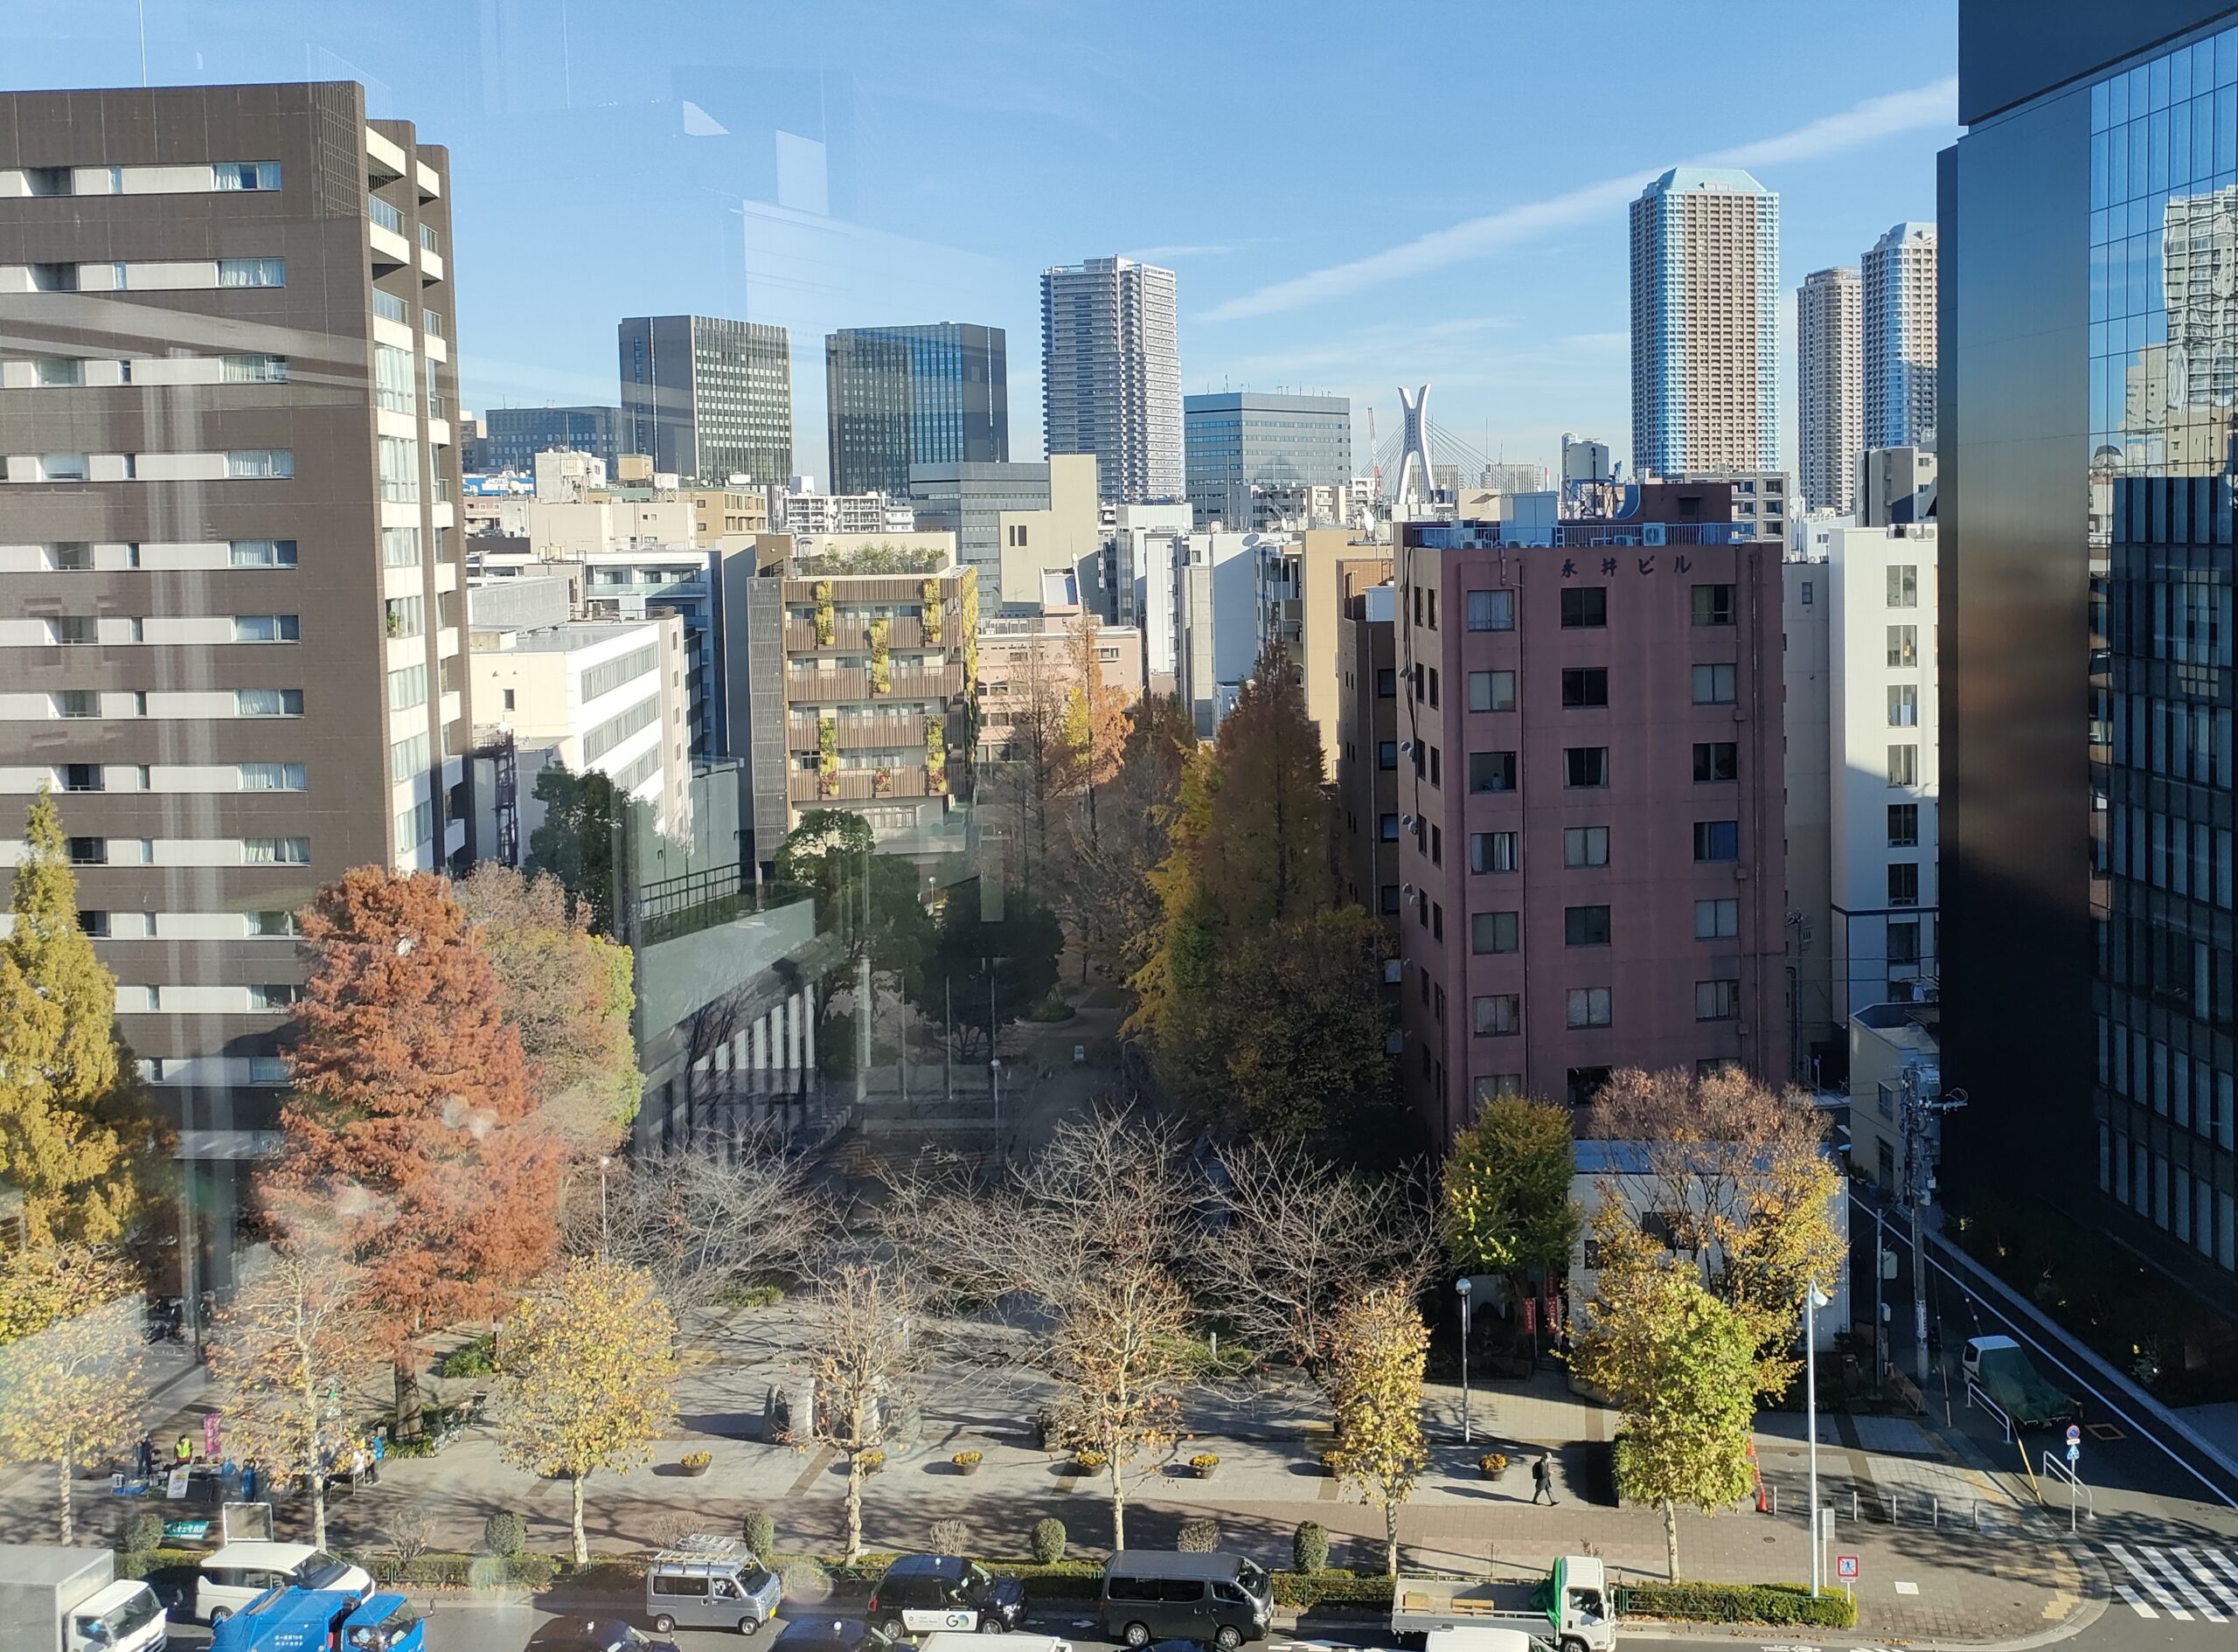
x=1780, y=1603
x=1302, y=1589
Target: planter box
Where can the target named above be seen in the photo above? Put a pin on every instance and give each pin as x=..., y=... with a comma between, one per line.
x=1492, y=1474
x=1205, y=1473
x=695, y=1470
x=966, y=1467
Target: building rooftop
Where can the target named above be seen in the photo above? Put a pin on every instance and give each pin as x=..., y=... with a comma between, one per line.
x=575, y=634
x=1731, y=178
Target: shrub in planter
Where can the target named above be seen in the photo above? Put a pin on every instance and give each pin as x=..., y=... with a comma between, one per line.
x=1309, y=1547
x=143, y=1531
x=872, y=1461
x=504, y=1533
x=1048, y=1542
x=1203, y=1464
x=760, y=1534
x=1491, y=1465
x=1779, y=1603
x=477, y=1358
x=1329, y=1464
x=1199, y=1536
x=696, y=1463
x=1087, y=1459
x=967, y=1462
x=1301, y=1590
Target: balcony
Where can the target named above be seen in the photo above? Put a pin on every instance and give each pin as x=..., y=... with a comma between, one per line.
x=851, y=636
x=841, y=688
x=861, y=734
x=857, y=786
x=391, y=250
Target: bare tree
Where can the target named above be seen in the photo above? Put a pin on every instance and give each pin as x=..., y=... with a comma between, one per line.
x=1300, y=1240
x=1118, y=1350
x=701, y=1222
x=865, y=1367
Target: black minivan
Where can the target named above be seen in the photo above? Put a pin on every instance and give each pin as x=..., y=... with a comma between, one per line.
x=1215, y=1600
x=925, y=1593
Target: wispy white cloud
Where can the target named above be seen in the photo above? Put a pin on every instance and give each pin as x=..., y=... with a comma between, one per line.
x=1935, y=104
x=1153, y=254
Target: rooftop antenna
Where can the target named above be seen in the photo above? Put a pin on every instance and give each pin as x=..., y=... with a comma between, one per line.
x=143, y=42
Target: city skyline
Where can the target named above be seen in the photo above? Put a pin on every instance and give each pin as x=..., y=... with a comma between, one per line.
x=1503, y=284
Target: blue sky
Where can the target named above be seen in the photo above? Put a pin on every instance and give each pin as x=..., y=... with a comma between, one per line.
x=1354, y=196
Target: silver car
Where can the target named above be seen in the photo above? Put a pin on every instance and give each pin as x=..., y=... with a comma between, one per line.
x=708, y=1582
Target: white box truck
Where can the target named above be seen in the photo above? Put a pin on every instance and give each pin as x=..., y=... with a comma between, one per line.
x=57, y=1600
x=1570, y=1607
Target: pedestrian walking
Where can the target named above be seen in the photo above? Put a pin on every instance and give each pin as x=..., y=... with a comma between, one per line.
x=1542, y=1479
x=143, y=1458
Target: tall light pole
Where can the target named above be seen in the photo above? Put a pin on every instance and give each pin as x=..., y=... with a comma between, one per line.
x=603, y=1161
x=1813, y=1299
x=1462, y=1287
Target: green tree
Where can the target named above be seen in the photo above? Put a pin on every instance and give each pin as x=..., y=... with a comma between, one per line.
x=1504, y=1202
x=590, y=1369
x=1107, y=851
x=829, y=856
x=76, y=1136
x=567, y=993
x=1022, y=946
x=1301, y=1025
x=579, y=840
x=1681, y=1367
x=1375, y=1394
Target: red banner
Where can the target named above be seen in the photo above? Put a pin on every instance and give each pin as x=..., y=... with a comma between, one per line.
x=1530, y=1313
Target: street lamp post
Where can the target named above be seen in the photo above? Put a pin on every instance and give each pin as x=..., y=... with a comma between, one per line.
x=1462, y=1287
x=603, y=1161
x=1813, y=1299
x=995, y=1080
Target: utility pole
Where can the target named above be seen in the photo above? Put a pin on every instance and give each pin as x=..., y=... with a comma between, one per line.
x=1879, y=1311
x=1922, y=1116
x=948, y=1040
x=863, y=1040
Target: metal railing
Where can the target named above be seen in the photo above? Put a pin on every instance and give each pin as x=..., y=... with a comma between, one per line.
x=1976, y=1395
x=2078, y=1493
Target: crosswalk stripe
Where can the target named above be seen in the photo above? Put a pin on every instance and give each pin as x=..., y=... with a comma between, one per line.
x=2209, y=1579
x=2144, y=1575
x=2136, y=1605
x=2174, y=1574
x=2223, y=1560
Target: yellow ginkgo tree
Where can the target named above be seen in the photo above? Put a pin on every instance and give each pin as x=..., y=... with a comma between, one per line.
x=1375, y=1392
x=590, y=1359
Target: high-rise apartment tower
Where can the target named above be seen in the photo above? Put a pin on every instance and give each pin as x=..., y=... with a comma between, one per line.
x=1111, y=374
x=1706, y=273
x=1899, y=338
x=1829, y=358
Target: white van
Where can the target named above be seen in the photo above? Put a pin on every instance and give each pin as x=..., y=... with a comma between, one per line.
x=232, y=1576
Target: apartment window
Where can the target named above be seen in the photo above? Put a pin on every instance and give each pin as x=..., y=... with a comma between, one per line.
x=1903, y=645
x=1586, y=1007
x=71, y=556
x=1388, y=898
x=267, y=627
x=1716, y=1000
x=1492, y=851
x=1717, y=840
x=54, y=278
x=1491, y=690
x=427, y=238
x=75, y=702
x=398, y=458
x=1903, y=585
x=1903, y=766
x=56, y=467
x=272, y=777
x=1903, y=943
x=388, y=307
x=407, y=757
x=273, y=996
x=1903, y=706
x=74, y=631
x=1717, y=920
x=267, y=702
x=1903, y=882
x=1585, y=925
x=1387, y=827
x=394, y=378
x=1585, y=845
x=1433, y=688
x=82, y=777
x=1491, y=932
x=95, y=925
x=261, y=464
x=271, y=924
x=1386, y=683
x=1496, y=1015
x=1713, y=685
x=400, y=547
x=88, y=851
x=256, y=370
x=404, y=616
x=1585, y=607
x=408, y=688
x=1713, y=604
x=431, y=324
x=245, y=174
x=1584, y=1086
x=1716, y=760
x=438, y=408
x=252, y=272
x=1585, y=766
x=1492, y=771
x=60, y=372
x=1585, y=686
x=415, y=825
x=267, y=1070
x=49, y=180
x=1386, y=755
x=1492, y=610
x=264, y=553
x=510, y=706
x=1903, y=825
x=1806, y=593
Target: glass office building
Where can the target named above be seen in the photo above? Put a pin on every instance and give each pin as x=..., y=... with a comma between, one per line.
x=2089, y=236
x=901, y=396
x=1237, y=445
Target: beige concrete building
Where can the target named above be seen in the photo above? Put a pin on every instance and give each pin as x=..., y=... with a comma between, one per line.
x=1023, y=656
x=1305, y=585
x=1893, y=1047
x=1367, y=755
x=1066, y=537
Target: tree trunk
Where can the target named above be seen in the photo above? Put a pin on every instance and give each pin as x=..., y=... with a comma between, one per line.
x=1391, y=1539
x=62, y=1495
x=1118, y=1505
x=582, y=1544
x=1670, y=1535
x=406, y=1378
x=854, y=1504
x=318, y=1501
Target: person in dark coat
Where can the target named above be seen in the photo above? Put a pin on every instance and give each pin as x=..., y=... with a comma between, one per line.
x=1542, y=1479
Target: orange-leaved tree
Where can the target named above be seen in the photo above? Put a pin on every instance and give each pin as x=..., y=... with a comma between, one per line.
x=412, y=1132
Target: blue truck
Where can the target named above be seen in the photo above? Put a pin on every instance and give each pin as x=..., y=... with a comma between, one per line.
x=321, y=1620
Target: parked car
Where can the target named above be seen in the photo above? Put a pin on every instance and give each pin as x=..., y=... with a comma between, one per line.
x=232, y=1576
x=1217, y=1599
x=923, y=1593
x=595, y=1635
x=830, y=1635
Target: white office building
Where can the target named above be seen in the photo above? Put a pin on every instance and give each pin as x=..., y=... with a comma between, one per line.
x=1111, y=375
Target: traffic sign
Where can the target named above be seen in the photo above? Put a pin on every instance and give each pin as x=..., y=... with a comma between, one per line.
x=2074, y=1454
x=1845, y=1567
x=2074, y=1435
